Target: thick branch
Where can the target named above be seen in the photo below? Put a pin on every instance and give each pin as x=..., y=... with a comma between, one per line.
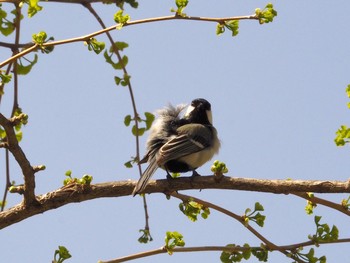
x=79, y=193
x=18, y=154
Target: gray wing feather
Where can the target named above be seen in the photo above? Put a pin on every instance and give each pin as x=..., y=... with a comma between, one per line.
x=146, y=176
x=193, y=138
x=178, y=147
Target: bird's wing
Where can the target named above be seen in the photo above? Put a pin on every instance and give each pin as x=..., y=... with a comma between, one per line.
x=192, y=138
x=146, y=176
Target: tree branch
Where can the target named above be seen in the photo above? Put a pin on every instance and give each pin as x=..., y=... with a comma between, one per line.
x=135, y=22
x=324, y=202
x=18, y=154
x=75, y=193
x=163, y=250
x=267, y=243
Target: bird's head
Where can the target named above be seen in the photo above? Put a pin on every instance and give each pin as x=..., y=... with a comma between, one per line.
x=199, y=112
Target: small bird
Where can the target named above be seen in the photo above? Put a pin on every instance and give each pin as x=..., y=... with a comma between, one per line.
x=178, y=144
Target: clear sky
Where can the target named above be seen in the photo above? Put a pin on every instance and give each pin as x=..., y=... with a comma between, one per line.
x=277, y=93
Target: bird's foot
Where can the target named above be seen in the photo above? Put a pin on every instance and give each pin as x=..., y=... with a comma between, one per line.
x=194, y=174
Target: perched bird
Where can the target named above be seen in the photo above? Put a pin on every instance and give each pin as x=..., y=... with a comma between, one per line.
x=178, y=144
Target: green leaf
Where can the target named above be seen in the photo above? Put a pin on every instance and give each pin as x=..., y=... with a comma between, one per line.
x=192, y=209
x=261, y=254
x=255, y=216
x=122, y=63
x=345, y=202
x=128, y=164
x=175, y=175
x=85, y=180
x=342, y=136
x=266, y=15
x=121, y=19
x=119, y=45
x=137, y=132
x=125, y=80
x=258, y=207
x=172, y=240
x=39, y=38
x=120, y=3
x=229, y=256
x=233, y=26
x=323, y=232
x=19, y=136
x=33, y=7
x=146, y=236
x=2, y=133
x=68, y=173
x=24, y=70
x=149, y=119
x=309, y=208
x=181, y=5
x=5, y=78
x=259, y=219
x=62, y=254
x=117, y=65
x=348, y=91
x=219, y=168
x=127, y=120
x=220, y=29
x=6, y=27
x=94, y=45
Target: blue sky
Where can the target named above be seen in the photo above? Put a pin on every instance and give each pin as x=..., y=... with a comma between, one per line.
x=277, y=93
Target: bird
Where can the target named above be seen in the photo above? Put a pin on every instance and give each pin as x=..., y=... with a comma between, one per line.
x=180, y=144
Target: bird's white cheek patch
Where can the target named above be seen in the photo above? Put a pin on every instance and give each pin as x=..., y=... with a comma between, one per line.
x=189, y=109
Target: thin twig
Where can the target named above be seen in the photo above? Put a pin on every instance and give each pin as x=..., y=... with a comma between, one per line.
x=135, y=22
x=162, y=250
x=324, y=202
x=15, y=46
x=15, y=65
x=7, y=182
x=240, y=219
x=133, y=102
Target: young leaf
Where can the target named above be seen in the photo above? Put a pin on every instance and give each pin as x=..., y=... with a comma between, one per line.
x=137, y=131
x=348, y=91
x=121, y=19
x=172, y=240
x=233, y=26
x=24, y=70
x=220, y=29
x=5, y=78
x=127, y=120
x=33, y=7
x=181, y=5
x=149, y=120
x=267, y=14
x=95, y=45
x=6, y=27
x=146, y=236
x=119, y=45
x=128, y=164
x=62, y=254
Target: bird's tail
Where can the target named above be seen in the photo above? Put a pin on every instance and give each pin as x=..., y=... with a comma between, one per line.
x=146, y=176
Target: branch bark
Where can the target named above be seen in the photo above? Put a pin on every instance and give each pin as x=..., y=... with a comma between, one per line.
x=34, y=47
x=75, y=193
x=18, y=154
